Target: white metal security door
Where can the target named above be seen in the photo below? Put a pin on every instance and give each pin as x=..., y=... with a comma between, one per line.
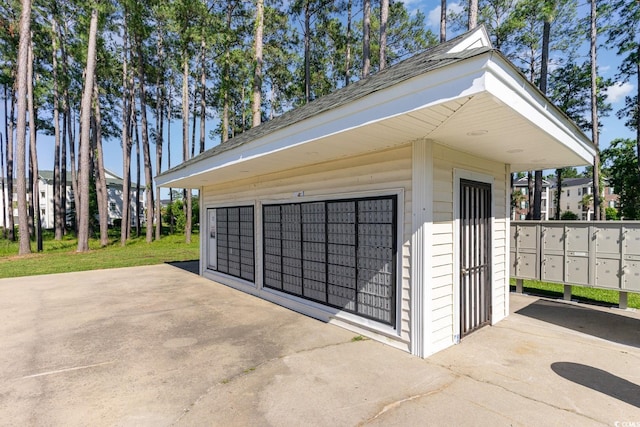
x=475, y=255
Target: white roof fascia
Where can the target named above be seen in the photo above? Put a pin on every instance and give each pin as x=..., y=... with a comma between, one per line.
x=110, y=174
x=513, y=89
x=475, y=39
x=456, y=81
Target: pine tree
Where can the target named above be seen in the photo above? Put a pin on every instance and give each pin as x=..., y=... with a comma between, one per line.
x=21, y=125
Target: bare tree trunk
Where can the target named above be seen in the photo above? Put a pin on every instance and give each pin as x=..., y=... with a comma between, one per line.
x=63, y=174
x=21, y=125
x=203, y=96
x=136, y=134
x=194, y=116
x=9, y=126
x=85, y=143
x=160, y=100
x=137, y=197
x=30, y=195
x=148, y=173
x=100, y=176
x=384, y=17
x=8, y=129
x=71, y=142
x=226, y=83
x=443, y=21
x=347, y=62
x=3, y=193
x=256, y=114
x=35, y=187
x=244, y=114
x=58, y=219
x=127, y=100
x=366, y=41
x=530, y=190
x=307, y=52
x=595, y=132
x=73, y=164
x=169, y=111
x=185, y=139
x=544, y=63
x=558, y=193
x=473, y=14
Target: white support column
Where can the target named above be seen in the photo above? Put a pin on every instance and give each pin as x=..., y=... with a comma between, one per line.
x=421, y=230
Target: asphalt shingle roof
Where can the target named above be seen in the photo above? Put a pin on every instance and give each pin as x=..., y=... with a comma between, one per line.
x=431, y=59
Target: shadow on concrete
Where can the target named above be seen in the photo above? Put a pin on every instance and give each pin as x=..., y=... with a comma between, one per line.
x=601, y=324
x=192, y=266
x=599, y=380
x=560, y=295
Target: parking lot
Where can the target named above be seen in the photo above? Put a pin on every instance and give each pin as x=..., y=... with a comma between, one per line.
x=159, y=345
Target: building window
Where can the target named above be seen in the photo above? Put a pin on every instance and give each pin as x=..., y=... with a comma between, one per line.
x=340, y=253
x=524, y=191
x=612, y=203
x=523, y=204
x=568, y=207
x=610, y=189
x=523, y=216
x=234, y=242
x=579, y=192
x=568, y=193
x=42, y=195
x=112, y=206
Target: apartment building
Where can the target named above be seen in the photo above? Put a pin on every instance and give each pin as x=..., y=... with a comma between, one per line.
x=45, y=188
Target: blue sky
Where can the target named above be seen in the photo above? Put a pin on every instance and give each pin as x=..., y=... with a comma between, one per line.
x=612, y=127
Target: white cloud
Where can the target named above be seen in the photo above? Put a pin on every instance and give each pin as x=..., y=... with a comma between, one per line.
x=433, y=17
x=618, y=91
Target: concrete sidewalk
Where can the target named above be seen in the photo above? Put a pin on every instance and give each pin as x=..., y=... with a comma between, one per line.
x=161, y=346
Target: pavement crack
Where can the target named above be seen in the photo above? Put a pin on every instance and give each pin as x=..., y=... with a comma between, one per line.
x=395, y=405
x=508, y=390
x=247, y=371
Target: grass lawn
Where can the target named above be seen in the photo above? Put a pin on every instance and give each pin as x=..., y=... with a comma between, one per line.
x=579, y=293
x=61, y=256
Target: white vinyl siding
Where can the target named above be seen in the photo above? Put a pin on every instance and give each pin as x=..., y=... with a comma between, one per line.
x=371, y=175
x=388, y=173
x=443, y=286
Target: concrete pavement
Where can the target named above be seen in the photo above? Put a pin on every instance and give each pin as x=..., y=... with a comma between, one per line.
x=152, y=346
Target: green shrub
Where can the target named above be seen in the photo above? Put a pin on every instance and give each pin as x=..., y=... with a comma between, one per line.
x=611, y=214
x=568, y=216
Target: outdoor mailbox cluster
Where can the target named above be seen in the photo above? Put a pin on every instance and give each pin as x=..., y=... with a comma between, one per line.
x=603, y=254
x=338, y=252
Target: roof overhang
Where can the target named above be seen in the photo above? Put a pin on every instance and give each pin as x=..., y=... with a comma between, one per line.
x=481, y=105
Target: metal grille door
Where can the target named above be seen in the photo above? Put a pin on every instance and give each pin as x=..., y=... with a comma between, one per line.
x=475, y=255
